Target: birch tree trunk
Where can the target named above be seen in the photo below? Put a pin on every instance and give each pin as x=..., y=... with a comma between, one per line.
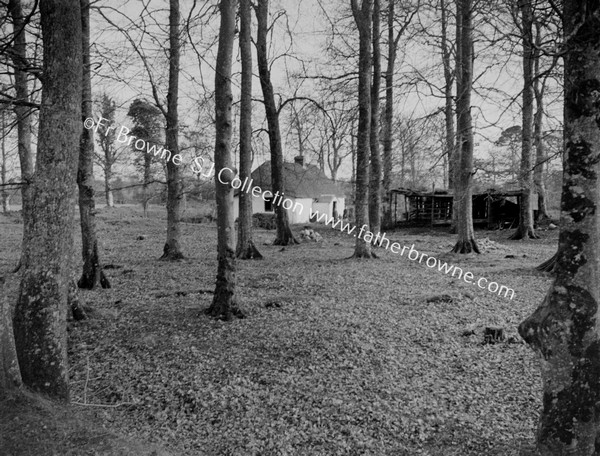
x=525, y=229
x=284, y=233
x=464, y=174
x=224, y=301
x=246, y=250
x=388, y=138
x=375, y=170
x=92, y=275
x=564, y=328
x=363, y=18
x=172, y=249
x=41, y=310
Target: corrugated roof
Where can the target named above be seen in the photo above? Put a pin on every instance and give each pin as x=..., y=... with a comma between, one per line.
x=299, y=181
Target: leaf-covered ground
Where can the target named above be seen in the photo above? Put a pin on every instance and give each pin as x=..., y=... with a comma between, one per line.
x=335, y=357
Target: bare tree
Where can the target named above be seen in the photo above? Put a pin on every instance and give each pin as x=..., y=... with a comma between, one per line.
x=92, y=275
x=245, y=245
x=284, y=232
x=525, y=229
x=464, y=173
x=375, y=163
x=363, y=17
x=109, y=154
x=41, y=310
x=172, y=249
x=224, y=302
x=563, y=329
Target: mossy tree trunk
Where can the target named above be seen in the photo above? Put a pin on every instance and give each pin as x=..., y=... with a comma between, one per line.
x=224, y=301
x=246, y=250
x=41, y=310
x=363, y=17
x=464, y=173
x=92, y=275
x=564, y=328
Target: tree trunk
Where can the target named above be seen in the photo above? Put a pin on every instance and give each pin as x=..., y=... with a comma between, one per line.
x=146, y=184
x=246, y=250
x=3, y=172
x=92, y=275
x=284, y=233
x=41, y=310
x=363, y=19
x=563, y=329
x=10, y=375
x=172, y=249
x=375, y=170
x=539, y=87
x=449, y=112
x=525, y=229
x=19, y=57
x=388, y=139
x=107, y=186
x=224, y=302
x=464, y=174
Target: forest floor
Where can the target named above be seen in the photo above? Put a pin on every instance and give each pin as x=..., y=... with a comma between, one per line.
x=335, y=356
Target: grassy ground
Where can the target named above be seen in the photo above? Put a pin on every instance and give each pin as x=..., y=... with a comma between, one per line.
x=335, y=357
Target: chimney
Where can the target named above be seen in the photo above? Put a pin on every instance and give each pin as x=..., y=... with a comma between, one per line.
x=299, y=160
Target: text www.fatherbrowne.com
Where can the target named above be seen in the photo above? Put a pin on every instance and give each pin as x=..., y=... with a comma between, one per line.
x=431, y=262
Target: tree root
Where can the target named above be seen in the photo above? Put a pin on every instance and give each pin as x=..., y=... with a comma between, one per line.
x=466, y=246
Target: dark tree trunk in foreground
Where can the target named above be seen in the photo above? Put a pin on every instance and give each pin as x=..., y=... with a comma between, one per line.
x=41, y=311
x=284, y=232
x=224, y=302
x=525, y=229
x=464, y=174
x=363, y=18
x=92, y=275
x=246, y=250
x=375, y=171
x=172, y=249
x=563, y=329
x=19, y=57
x=10, y=375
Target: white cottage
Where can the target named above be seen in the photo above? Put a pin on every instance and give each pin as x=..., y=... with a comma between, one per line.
x=307, y=190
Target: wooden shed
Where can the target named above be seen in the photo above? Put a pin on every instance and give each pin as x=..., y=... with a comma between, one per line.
x=493, y=208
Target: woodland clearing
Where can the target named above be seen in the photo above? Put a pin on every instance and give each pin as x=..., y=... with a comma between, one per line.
x=335, y=356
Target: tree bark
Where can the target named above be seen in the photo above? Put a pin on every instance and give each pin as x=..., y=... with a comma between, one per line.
x=10, y=374
x=525, y=229
x=246, y=250
x=388, y=139
x=449, y=112
x=539, y=87
x=363, y=18
x=41, y=310
x=19, y=57
x=375, y=170
x=92, y=275
x=563, y=329
x=172, y=249
x=3, y=171
x=464, y=174
x=284, y=232
x=224, y=302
